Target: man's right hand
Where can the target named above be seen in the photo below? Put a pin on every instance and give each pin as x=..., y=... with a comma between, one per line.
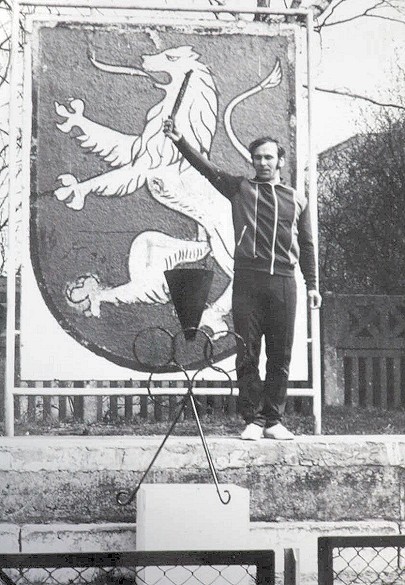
x=170, y=130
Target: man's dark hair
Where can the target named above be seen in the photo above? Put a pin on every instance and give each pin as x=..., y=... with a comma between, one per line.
x=259, y=141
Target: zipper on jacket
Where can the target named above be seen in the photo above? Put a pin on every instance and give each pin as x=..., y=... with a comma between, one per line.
x=241, y=235
x=273, y=247
x=255, y=221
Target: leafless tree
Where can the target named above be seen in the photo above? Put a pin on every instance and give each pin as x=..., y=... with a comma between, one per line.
x=362, y=211
x=4, y=130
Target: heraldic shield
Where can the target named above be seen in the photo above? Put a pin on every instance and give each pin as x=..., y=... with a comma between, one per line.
x=113, y=203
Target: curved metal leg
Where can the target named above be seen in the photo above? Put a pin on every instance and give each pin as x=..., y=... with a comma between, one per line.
x=125, y=497
x=227, y=499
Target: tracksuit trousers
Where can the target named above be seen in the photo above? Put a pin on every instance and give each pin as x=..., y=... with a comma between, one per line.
x=263, y=305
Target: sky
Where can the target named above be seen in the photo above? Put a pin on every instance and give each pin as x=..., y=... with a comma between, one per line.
x=361, y=56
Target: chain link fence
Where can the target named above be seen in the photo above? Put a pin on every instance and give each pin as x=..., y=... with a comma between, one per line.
x=361, y=560
x=139, y=568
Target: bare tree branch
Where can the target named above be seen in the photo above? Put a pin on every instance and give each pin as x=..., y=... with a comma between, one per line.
x=383, y=17
x=390, y=4
x=332, y=12
x=368, y=13
x=6, y=40
x=353, y=18
x=358, y=96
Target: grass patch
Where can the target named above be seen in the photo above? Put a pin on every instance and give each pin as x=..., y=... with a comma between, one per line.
x=336, y=420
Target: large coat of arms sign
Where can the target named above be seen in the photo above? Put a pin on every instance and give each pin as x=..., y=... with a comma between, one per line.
x=113, y=203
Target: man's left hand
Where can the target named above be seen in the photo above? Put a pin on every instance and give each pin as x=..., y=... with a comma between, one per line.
x=315, y=299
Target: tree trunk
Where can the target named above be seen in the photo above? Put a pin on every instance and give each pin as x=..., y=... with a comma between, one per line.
x=262, y=4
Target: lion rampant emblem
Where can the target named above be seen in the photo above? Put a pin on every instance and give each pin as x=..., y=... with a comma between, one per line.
x=149, y=159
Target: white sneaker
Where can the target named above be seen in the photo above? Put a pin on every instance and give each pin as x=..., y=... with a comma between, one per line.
x=278, y=432
x=252, y=432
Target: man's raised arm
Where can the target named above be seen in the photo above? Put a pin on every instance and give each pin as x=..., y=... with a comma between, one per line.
x=224, y=182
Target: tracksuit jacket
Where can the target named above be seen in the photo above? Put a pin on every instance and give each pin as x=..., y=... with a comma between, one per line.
x=272, y=222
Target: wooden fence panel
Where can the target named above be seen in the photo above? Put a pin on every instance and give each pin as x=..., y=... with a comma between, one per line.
x=364, y=350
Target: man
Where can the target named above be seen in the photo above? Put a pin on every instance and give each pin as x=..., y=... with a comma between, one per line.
x=272, y=233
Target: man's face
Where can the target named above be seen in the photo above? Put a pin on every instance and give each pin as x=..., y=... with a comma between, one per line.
x=266, y=162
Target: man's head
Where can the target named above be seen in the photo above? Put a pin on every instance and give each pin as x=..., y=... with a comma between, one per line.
x=267, y=158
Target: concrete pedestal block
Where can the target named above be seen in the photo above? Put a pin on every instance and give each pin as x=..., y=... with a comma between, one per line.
x=191, y=517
